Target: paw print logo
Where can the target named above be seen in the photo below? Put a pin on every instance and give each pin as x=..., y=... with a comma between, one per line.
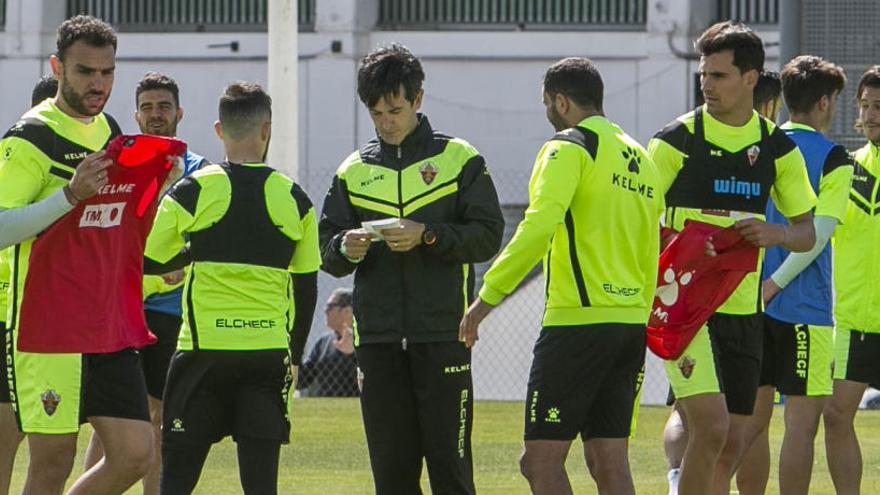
x=177, y=425
x=633, y=159
x=553, y=415
x=668, y=293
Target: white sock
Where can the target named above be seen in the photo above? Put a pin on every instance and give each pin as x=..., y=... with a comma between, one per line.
x=672, y=477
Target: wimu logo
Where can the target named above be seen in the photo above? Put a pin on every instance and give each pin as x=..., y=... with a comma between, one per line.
x=737, y=187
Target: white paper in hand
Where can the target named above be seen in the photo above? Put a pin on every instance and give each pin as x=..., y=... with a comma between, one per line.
x=377, y=226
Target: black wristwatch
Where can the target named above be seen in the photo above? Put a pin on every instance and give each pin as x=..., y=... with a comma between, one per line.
x=429, y=237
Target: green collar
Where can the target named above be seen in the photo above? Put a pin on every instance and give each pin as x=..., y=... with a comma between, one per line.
x=797, y=125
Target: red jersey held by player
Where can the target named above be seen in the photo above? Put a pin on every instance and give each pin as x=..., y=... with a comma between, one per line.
x=691, y=285
x=83, y=291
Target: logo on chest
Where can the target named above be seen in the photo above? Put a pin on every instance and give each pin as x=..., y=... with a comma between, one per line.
x=734, y=187
x=75, y=157
x=429, y=172
x=365, y=183
x=752, y=154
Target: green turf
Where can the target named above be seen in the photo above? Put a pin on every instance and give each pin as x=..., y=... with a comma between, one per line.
x=328, y=455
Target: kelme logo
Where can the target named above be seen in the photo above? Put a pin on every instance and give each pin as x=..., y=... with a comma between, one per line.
x=553, y=415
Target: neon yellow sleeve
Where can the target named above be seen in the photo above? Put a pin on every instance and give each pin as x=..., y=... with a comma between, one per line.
x=307, y=257
x=669, y=161
x=792, y=193
x=166, y=237
x=835, y=184
x=555, y=177
x=22, y=177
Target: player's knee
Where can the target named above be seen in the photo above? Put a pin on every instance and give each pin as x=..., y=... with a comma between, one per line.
x=526, y=464
x=534, y=463
x=52, y=463
x=836, y=419
x=530, y=464
x=135, y=460
x=803, y=427
x=731, y=450
x=607, y=469
x=713, y=436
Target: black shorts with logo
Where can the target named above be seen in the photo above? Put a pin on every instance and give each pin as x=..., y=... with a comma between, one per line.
x=156, y=358
x=857, y=356
x=797, y=358
x=738, y=346
x=584, y=380
x=211, y=394
x=113, y=386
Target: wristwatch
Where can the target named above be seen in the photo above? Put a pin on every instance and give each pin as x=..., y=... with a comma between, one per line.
x=429, y=237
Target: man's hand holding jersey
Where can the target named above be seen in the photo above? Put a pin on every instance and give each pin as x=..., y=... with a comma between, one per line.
x=90, y=175
x=798, y=236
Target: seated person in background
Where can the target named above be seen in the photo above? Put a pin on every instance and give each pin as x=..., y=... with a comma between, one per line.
x=330, y=370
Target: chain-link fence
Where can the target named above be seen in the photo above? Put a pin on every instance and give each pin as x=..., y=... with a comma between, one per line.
x=502, y=358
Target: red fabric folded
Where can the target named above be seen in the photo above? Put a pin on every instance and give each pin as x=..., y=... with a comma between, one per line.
x=692, y=285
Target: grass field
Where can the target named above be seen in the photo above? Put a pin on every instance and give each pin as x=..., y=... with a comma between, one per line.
x=328, y=455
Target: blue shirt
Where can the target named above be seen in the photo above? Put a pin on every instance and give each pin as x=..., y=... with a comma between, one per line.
x=808, y=298
x=169, y=302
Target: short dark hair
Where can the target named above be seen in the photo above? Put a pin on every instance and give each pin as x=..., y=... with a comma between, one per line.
x=93, y=31
x=748, y=49
x=577, y=78
x=46, y=87
x=342, y=297
x=807, y=78
x=384, y=70
x=871, y=78
x=767, y=89
x=243, y=108
x=153, y=80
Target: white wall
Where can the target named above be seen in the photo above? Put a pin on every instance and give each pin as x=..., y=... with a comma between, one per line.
x=484, y=87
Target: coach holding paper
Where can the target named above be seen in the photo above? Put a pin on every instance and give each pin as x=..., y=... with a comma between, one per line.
x=411, y=289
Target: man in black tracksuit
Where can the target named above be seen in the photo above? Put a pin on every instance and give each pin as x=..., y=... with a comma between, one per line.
x=411, y=286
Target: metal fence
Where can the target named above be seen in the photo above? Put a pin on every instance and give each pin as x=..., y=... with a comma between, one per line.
x=186, y=15
x=848, y=37
x=512, y=14
x=749, y=11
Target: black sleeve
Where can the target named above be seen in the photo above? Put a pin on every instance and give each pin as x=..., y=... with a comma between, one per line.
x=178, y=262
x=305, y=290
x=115, y=130
x=675, y=134
x=837, y=157
x=782, y=144
x=476, y=234
x=337, y=217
